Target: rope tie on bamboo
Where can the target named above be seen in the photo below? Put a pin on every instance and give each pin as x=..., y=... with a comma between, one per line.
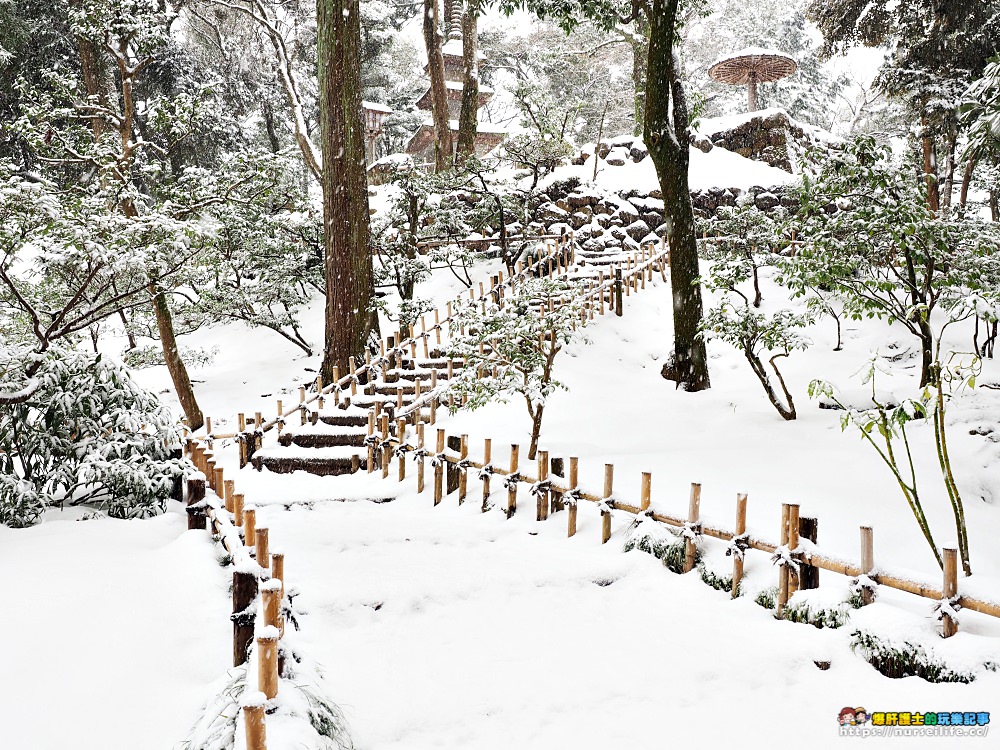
x=245, y=617
x=863, y=583
x=386, y=444
x=279, y=420
x=487, y=471
x=419, y=454
x=738, y=546
x=511, y=480
x=439, y=459
x=539, y=487
x=372, y=440
x=464, y=465
x=691, y=530
x=572, y=497
x=783, y=557
x=606, y=505
x=948, y=608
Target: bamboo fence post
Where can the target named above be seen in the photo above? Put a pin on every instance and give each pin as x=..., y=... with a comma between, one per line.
x=401, y=437
x=647, y=481
x=244, y=594
x=280, y=421
x=386, y=454
x=949, y=626
x=487, y=456
x=354, y=376
x=420, y=460
x=219, y=484
x=238, y=500
x=808, y=574
x=793, y=545
x=574, y=467
x=241, y=422
x=267, y=661
x=195, y=501
x=319, y=391
x=371, y=443
x=618, y=291
x=230, y=488
x=512, y=489
x=302, y=404
x=609, y=479
x=258, y=420
x=542, y=500
x=278, y=569
x=437, y=329
x=738, y=552
x=439, y=468
x=694, y=516
x=262, y=555
x=253, y=725
x=336, y=386
x=399, y=398
x=210, y=473
x=250, y=526
x=208, y=426
x=867, y=562
x=783, y=569
x=463, y=475
x=270, y=594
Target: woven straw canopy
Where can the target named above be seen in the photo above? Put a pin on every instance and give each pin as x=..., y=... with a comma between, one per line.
x=750, y=67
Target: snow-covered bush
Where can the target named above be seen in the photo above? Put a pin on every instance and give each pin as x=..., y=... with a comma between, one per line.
x=511, y=350
x=87, y=434
x=901, y=658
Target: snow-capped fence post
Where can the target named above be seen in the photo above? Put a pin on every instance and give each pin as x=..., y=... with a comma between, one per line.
x=370, y=442
x=302, y=404
x=250, y=526
x=867, y=562
x=808, y=574
x=463, y=474
x=437, y=329
x=354, y=376
x=278, y=569
x=618, y=291
x=209, y=472
x=434, y=399
x=261, y=554
x=782, y=567
x=244, y=614
x=270, y=594
x=793, y=545
x=196, y=503
x=439, y=467
x=693, y=526
x=253, y=723
x=385, y=454
x=219, y=481
x=557, y=468
x=336, y=386
x=486, y=472
x=279, y=421
x=420, y=457
x=542, y=494
x=177, y=488
x=645, y=489
x=230, y=490
x=319, y=392
x=739, y=542
x=574, y=466
x=267, y=661
x=512, y=483
x=401, y=438
x=949, y=625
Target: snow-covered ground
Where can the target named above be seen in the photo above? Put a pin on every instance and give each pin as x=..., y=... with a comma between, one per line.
x=112, y=631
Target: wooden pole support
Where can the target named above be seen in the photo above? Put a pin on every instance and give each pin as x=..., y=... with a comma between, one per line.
x=262, y=555
x=244, y=594
x=267, y=662
x=195, y=510
x=949, y=626
x=278, y=568
x=618, y=291
x=280, y=421
x=647, y=481
x=386, y=448
x=463, y=476
x=574, y=468
x=783, y=569
x=808, y=574
x=793, y=544
x=253, y=724
x=238, y=500
x=512, y=490
x=867, y=561
x=487, y=456
x=609, y=479
x=250, y=526
x=694, y=516
x=420, y=461
x=605, y=526
x=270, y=593
x=401, y=437
x=230, y=490
x=371, y=444
x=542, y=501
x=439, y=469
x=219, y=483
x=741, y=528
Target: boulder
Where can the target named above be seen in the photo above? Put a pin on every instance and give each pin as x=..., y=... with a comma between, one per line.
x=550, y=213
x=637, y=230
x=616, y=157
x=638, y=153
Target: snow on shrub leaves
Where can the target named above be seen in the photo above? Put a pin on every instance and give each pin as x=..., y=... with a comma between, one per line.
x=88, y=435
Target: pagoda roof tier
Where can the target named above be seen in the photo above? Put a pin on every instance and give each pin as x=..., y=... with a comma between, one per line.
x=488, y=136
x=454, y=91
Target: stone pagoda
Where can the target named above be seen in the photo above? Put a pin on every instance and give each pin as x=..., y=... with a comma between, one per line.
x=488, y=136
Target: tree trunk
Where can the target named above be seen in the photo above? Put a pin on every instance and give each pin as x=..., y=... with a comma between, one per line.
x=930, y=167
x=439, y=93
x=348, y=266
x=639, y=41
x=175, y=365
x=468, y=117
x=666, y=135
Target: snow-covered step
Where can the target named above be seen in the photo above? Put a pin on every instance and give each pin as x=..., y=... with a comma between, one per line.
x=321, y=439
x=331, y=461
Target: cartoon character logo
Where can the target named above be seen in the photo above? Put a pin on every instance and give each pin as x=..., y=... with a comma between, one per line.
x=846, y=716
x=860, y=715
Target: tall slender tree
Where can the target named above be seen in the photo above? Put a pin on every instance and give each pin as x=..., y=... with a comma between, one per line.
x=443, y=147
x=348, y=263
x=468, y=118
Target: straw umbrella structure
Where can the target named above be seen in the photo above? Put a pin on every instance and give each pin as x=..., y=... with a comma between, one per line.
x=752, y=66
